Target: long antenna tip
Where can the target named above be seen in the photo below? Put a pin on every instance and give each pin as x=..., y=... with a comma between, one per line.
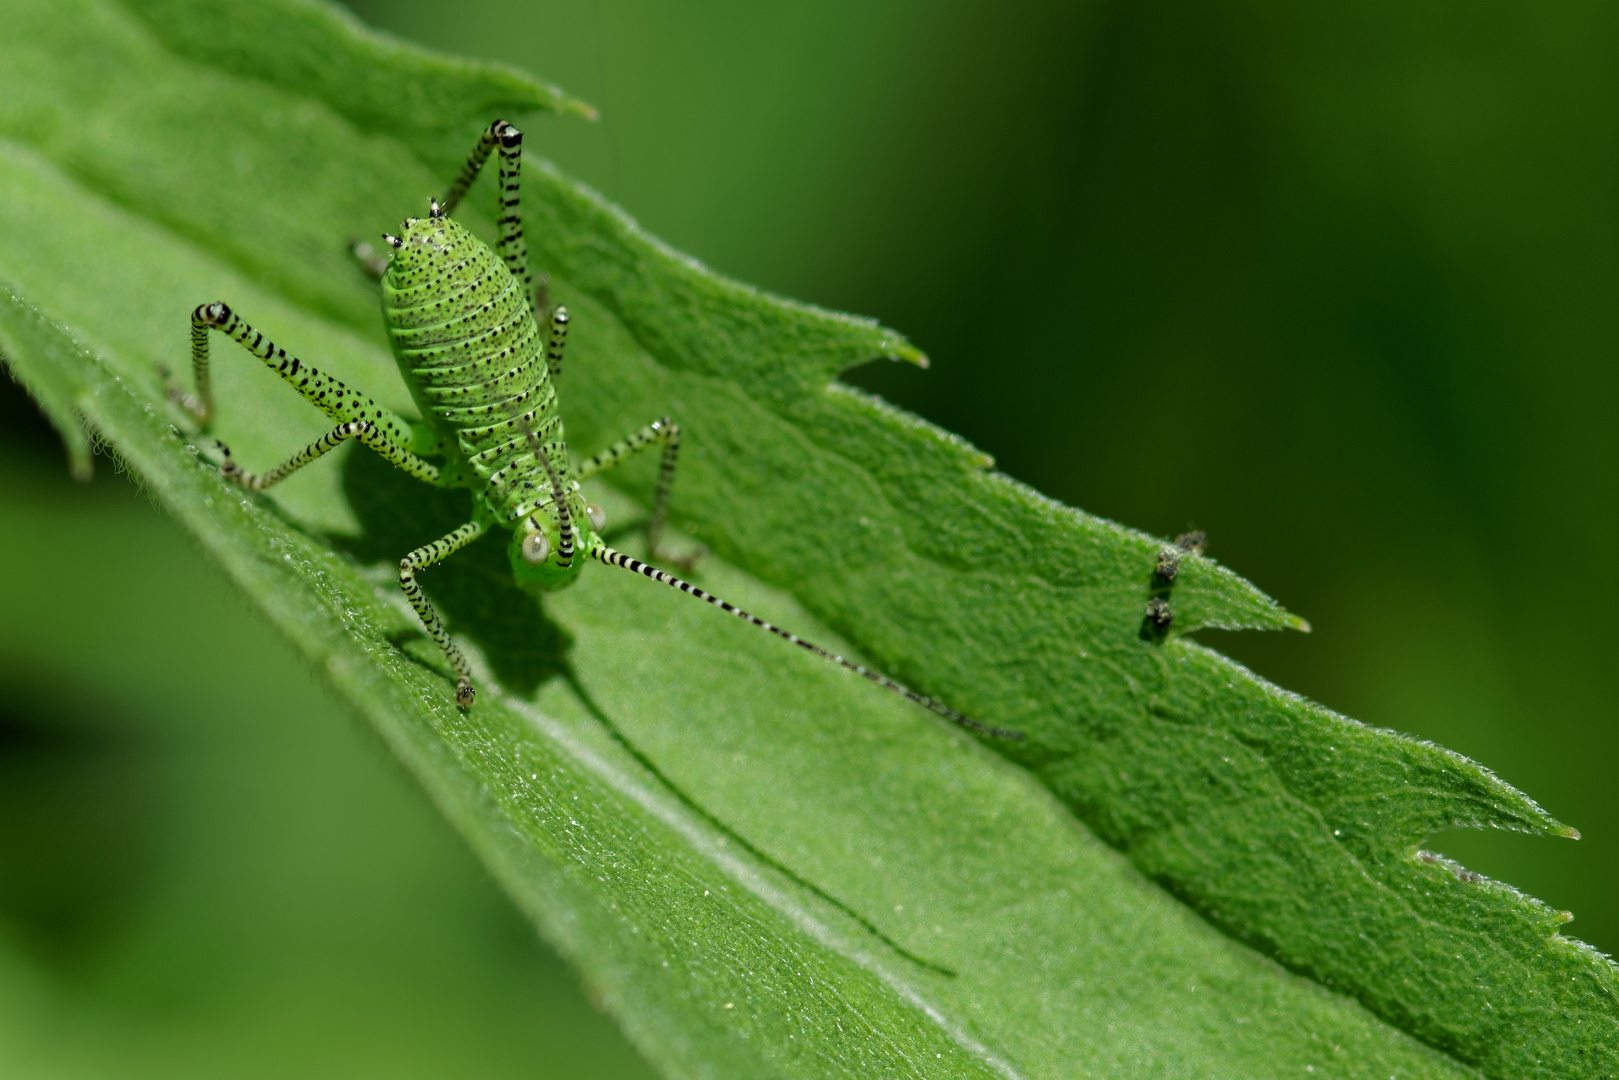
x=612, y=557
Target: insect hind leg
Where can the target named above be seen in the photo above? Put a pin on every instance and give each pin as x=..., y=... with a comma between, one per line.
x=511, y=247
x=474, y=165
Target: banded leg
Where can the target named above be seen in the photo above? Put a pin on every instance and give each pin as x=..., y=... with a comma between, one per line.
x=511, y=246
x=559, y=337
x=421, y=559
x=364, y=430
x=662, y=430
x=389, y=434
x=474, y=165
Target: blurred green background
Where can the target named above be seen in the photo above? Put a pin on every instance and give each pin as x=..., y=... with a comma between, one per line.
x=1334, y=283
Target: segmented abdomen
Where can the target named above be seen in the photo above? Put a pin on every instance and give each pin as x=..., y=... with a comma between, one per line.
x=464, y=334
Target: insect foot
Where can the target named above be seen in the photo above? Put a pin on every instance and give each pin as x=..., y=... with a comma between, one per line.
x=182, y=397
x=228, y=467
x=464, y=693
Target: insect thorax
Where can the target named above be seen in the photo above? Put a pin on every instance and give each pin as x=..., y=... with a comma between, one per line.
x=469, y=348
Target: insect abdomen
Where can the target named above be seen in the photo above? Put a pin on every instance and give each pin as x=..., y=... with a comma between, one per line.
x=467, y=343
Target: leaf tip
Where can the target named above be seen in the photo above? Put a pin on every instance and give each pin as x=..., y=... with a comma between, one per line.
x=582, y=109
x=904, y=350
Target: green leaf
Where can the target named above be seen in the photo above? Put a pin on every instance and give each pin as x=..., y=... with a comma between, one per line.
x=764, y=866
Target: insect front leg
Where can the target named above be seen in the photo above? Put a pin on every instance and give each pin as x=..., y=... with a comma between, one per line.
x=364, y=430
x=662, y=430
x=420, y=559
x=358, y=416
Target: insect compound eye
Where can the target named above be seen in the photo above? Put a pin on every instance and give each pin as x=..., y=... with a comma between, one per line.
x=536, y=547
x=597, y=516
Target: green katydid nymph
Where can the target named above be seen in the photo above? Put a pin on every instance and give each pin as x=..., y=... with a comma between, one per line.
x=464, y=323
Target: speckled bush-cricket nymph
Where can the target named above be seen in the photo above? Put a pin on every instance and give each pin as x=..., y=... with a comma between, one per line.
x=464, y=323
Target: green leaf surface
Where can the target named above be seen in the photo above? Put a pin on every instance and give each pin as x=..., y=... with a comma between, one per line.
x=764, y=866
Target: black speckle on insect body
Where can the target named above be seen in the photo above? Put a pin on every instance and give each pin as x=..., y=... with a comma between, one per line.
x=463, y=330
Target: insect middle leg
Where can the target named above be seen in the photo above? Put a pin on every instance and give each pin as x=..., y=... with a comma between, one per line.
x=661, y=430
x=420, y=559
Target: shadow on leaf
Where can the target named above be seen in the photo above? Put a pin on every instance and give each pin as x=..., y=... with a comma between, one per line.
x=473, y=589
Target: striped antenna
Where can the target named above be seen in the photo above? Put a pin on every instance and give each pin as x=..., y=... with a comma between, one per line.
x=564, y=515
x=565, y=545
x=605, y=554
